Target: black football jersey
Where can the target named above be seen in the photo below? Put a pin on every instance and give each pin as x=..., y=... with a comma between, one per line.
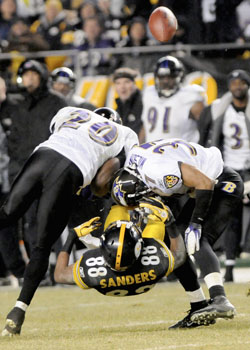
x=155, y=262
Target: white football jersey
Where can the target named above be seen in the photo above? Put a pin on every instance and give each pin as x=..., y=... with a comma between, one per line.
x=88, y=139
x=158, y=163
x=236, y=151
x=169, y=117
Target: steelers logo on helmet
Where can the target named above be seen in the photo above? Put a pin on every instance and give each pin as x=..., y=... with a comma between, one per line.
x=121, y=245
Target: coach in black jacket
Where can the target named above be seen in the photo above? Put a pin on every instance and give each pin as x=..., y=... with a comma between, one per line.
x=129, y=101
x=26, y=121
x=30, y=114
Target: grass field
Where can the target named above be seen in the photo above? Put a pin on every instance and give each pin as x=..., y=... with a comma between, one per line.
x=72, y=319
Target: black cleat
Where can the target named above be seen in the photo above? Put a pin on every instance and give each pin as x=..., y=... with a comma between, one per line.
x=14, y=321
x=188, y=323
x=220, y=307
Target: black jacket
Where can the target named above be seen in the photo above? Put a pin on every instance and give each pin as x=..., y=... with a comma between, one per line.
x=30, y=116
x=131, y=111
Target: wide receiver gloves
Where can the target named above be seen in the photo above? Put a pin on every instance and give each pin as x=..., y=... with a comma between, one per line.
x=192, y=238
x=153, y=209
x=80, y=232
x=88, y=227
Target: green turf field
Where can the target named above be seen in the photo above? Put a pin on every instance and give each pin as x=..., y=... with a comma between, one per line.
x=72, y=319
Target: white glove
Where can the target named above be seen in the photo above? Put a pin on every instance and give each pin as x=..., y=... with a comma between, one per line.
x=192, y=238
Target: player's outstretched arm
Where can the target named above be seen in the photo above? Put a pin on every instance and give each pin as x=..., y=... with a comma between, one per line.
x=203, y=186
x=64, y=272
x=177, y=245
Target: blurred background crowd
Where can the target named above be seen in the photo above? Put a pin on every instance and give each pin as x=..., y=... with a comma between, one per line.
x=38, y=38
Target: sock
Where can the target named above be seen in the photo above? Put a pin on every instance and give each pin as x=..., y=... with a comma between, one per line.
x=21, y=305
x=197, y=299
x=214, y=284
x=199, y=305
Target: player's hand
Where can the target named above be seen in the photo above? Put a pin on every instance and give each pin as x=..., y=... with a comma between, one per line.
x=192, y=238
x=154, y=209
x=88, y=227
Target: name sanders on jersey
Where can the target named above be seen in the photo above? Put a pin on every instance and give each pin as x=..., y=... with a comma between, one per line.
x=129, y=279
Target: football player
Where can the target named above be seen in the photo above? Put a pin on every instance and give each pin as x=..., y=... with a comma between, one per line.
x=225, y=124
x=54, y=174
x=170, y=109
x=123, y=253
x=174, y=167
x=127, y=261
x=63, y=81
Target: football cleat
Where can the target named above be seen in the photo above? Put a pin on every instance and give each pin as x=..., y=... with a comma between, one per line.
x=219, y=307
x=14, y=321
x=188, y=323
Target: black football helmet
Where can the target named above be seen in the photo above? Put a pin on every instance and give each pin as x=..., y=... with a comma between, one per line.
x=128, y=189
x=168, y=75
x=109, y=113
x=121, y=245
x=63, y=75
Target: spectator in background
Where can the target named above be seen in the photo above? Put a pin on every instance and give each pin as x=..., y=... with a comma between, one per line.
x=9, y=249
x=111, y=22
x=52, y=24
x=129, y=101
x=93, y=36
x=243, y=15
x=30, y=119
x=30, y=10
x=219, y=24
x=21, y=39
x=225, y=124
x=137, y=34
x=7, y=16
x=86, y=9
x=134, y=8
x=63, y=81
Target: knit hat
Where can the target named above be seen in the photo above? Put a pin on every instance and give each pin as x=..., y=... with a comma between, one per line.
x=239, y=74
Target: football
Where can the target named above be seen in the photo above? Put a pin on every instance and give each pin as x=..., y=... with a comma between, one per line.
x=162, y=24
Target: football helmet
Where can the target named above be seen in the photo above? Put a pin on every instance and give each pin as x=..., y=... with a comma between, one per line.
x=168, y=75
x=121, y=245
x=128, y=188
x=63, y=75
x=109, y=113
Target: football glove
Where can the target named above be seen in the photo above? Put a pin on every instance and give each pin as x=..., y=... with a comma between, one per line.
x=192, y=238
x=88, y=227
x=154, y=209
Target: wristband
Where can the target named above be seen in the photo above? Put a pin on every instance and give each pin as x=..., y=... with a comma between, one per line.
x=67, y=247
x=202, y=204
